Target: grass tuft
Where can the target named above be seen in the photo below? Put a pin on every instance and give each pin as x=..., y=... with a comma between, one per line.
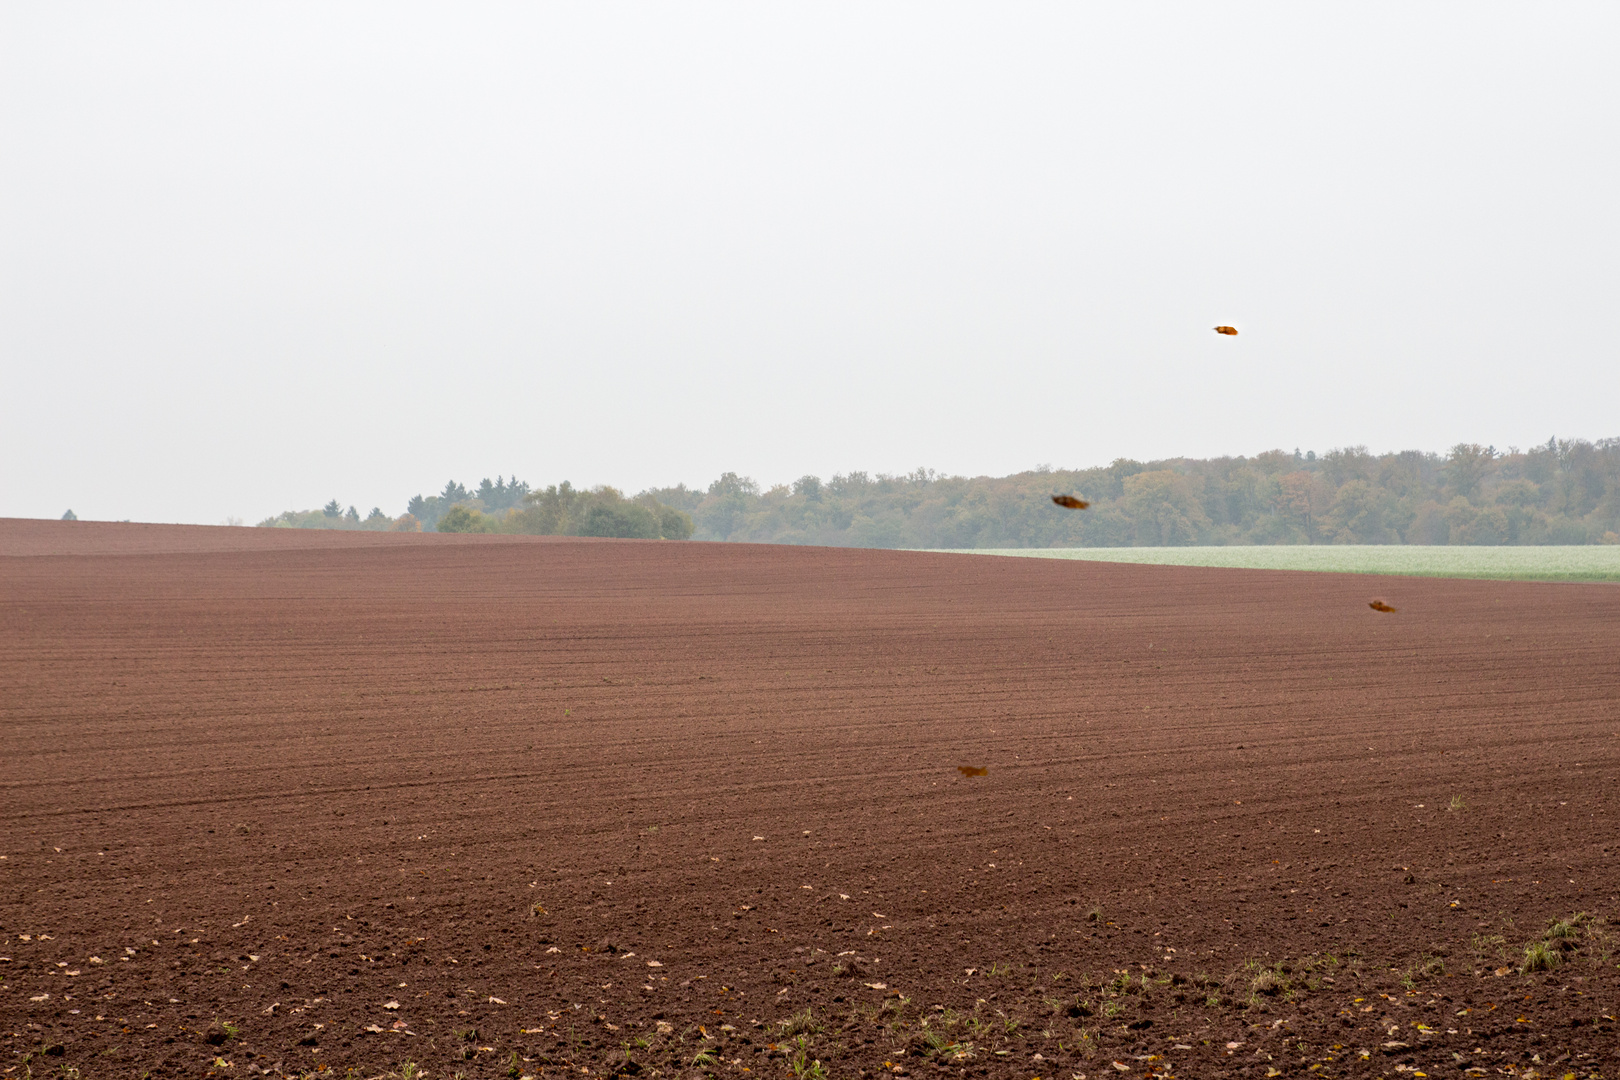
x=1540, y=956
x=803, y=1022
x=1266, y=982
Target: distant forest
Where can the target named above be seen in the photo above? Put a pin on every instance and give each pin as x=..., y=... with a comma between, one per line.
x=509, y=506
x=1564, y=492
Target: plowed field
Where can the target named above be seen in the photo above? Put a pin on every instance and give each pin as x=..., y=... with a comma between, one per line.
x=309, y=803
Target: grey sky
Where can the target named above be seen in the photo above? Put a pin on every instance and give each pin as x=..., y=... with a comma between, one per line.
x=253, y=257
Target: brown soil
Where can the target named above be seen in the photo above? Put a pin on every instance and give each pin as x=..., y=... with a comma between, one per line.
x=327, y=803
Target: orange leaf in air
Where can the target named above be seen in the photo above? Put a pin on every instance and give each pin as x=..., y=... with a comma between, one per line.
x=972, y=770
x=1070, y=501
x=1379, y=605
x=1232, y=330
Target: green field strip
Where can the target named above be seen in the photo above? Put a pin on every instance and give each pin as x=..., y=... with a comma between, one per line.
x=1574, y=563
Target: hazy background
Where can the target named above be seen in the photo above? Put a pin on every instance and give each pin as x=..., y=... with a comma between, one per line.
x=254, y=257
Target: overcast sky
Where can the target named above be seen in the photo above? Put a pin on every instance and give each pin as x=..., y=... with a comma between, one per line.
x=257, y=256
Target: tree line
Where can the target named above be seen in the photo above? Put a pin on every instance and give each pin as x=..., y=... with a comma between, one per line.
x=509, y=506
x=1564, y=492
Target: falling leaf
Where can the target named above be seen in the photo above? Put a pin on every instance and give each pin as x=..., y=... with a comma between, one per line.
x=972, y=770
x=375, y=1029
x=1379, y=605
x=1229, y=330
x=1070, y=501
x=878, y=986
x=496, y=1001
x=390, y=1004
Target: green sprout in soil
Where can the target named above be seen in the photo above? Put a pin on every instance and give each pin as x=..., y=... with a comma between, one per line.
x=803, y=1065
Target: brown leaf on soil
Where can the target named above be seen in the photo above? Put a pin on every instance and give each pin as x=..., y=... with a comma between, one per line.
x=972, y=770
x=1231, y=330
x=1070, y=501
x=1379, y=605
